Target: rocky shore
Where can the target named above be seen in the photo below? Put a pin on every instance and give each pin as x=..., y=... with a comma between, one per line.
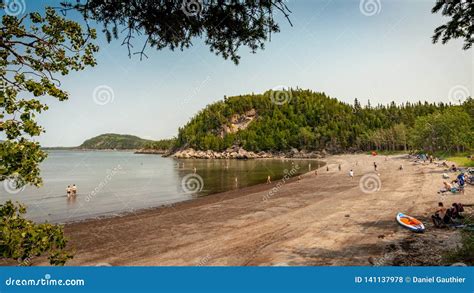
x=151, y=151
x=242, y=154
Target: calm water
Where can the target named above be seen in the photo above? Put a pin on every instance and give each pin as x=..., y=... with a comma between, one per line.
x=111, y=183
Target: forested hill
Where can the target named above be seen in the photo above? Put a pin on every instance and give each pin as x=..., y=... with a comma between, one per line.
x=114, y=141
x=302, y=119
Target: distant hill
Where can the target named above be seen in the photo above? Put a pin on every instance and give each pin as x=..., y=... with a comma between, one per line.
x=114, y=141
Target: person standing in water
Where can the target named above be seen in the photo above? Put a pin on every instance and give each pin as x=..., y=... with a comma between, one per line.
x=68, y=191
x=269, y=180
x=74, y=190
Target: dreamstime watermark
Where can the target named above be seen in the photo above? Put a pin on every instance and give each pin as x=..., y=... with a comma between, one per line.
x=370, y=7
x=192, y=183
x=197, y=90
x=14, y=185
x=204, y=260
x=103, y=264
x=280, y=95
x=387, y=259
x=287, y=175
x=459, y=264
x=103, y=94
x=370, y=183
x=458, y=94
x=110, y=174
x=47, y=280
x=25, y=262
x=191, y=7
x=14, y=7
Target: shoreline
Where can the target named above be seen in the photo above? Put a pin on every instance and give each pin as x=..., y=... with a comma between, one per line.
x=318, y=220
x=197, y=201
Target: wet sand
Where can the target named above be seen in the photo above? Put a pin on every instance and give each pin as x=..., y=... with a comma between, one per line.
x=319, y=220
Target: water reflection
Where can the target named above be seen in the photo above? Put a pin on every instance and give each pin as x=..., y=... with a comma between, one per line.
x=110, y=183
x=223, y=175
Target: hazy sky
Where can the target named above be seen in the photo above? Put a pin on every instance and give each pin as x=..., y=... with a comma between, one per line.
x=332, y=47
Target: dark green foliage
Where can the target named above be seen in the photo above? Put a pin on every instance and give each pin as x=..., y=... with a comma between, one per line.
x=164, y=144
x=34, y=51
x=314, y=121
x=225, y=25
x=22, y=239
x=110, y=141
x=460, y=24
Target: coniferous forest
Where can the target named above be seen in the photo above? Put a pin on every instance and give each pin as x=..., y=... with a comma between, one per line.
x=308, y=120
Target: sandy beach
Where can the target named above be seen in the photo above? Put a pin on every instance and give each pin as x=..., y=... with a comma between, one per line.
x=326, y=219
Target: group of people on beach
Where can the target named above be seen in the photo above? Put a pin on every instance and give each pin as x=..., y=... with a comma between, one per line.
x=71, y=190
x=444, y=217
x=351, y=171
x=449, y=217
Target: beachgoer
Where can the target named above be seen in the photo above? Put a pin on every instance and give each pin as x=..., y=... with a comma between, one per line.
x=351, y=174
x=375, y=166
x=441, y=217
x=327, y=168
x=453, y=168
x=316, y=172
x=195, y=170
x=309, y=167
x=68, y=191
x=74, y=189
x=339, y=167
x=401, y=167
x=269, y=180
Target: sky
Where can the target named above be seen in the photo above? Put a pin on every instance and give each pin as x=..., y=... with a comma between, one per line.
x=339, y=47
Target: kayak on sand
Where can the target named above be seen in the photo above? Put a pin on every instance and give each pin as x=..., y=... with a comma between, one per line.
x=410, y=223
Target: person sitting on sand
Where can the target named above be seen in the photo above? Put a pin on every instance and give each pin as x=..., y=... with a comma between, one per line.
x=74, y=190
x=457, y=209
x=453, y=168
x=440, y=217
x=446, y=187
x=68, y=191
x=401, y=167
